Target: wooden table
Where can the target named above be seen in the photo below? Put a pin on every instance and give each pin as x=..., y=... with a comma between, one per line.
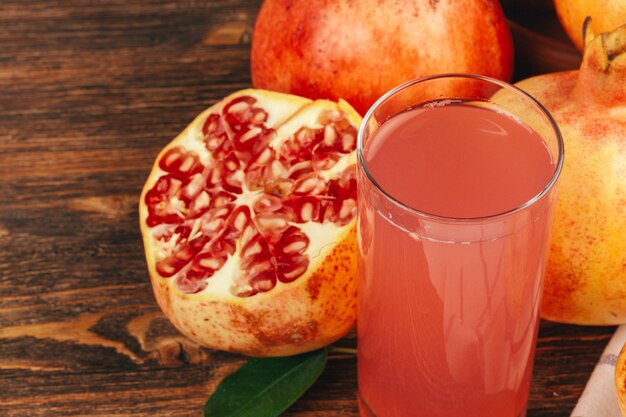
x=89, y=93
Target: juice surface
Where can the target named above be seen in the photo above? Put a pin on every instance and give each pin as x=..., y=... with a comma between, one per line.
x=459, y=160
x=447, y=326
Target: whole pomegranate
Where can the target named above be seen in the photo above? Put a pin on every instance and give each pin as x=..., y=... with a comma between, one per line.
x=248, y=222
x=606, y=14
x=359, y=50
x=586, y=274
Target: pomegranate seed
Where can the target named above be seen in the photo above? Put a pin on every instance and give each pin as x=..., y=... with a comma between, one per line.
x=271, y=223
x=211, y=124
x=348, y=142
x=231, y=165
x=202, y=201
x=305, y=186
x=170, y=159
x=330, y=135
x=222, y=198
x=265, y=156
x=181, y=163
x=300, y=169
x=174, y=263
x=288, y=272
x=186, y=164
x=261, y=267
x=305, y=137
x=215, y=137
x=167, y=267
x=281, y=187
x=241, y=218
x=255, y=178
x=328, y=212
x=221, y=212
x=253, y=249
x=259, y=116
x=250, y=134
x=296, y=247
x=288, y=151
x=309, y=185
x=303, y=208
x=213, y=226
x=292, y=241
x=263, y=283
x=223, y=248
x=256, y=256
x=267, y=203
x=182, y=232
x=248, y=234
x=239, y=105
x=194, y=187
x=293, y=273
x=190, y=284
x=164, y=202
x=306, y=212
x=323, y=161
x=216, y=218
x=278, y=169
x=348, y=208
x=211, y=263
x=214, y=143
x=232, y=185
x=184, y=255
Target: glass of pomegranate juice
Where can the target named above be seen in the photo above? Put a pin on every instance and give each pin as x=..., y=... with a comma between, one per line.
x=457, y=180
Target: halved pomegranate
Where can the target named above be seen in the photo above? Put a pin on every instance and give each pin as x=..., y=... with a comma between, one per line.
x=248, y=222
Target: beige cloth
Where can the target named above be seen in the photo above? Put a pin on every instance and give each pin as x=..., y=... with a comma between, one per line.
x=599, y=399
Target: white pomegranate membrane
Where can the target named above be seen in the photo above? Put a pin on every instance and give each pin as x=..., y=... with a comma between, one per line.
x=250, y=195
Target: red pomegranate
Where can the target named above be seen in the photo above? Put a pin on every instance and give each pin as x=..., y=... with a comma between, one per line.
x=248, y=222
x=358, y=50
x=586, y=275
x=606, y=14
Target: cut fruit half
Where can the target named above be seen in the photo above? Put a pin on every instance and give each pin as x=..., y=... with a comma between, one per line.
x=248, y=222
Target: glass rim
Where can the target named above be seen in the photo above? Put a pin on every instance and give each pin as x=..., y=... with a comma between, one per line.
x=430, y=216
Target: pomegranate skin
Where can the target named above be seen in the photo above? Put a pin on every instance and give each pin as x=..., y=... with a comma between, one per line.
x=586, y=273
x=606, y=14
x=360, y=50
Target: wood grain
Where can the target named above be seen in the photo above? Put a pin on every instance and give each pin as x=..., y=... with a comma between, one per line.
x=89, y=93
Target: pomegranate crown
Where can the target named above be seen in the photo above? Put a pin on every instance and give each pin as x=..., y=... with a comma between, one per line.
x=602, y=74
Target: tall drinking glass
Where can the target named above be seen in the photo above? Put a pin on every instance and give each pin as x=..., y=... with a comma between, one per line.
x=457, y=179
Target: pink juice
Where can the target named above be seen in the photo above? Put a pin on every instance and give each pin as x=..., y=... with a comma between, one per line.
x=448, y=309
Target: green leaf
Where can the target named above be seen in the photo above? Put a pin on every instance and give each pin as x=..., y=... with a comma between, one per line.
x=266, y=387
